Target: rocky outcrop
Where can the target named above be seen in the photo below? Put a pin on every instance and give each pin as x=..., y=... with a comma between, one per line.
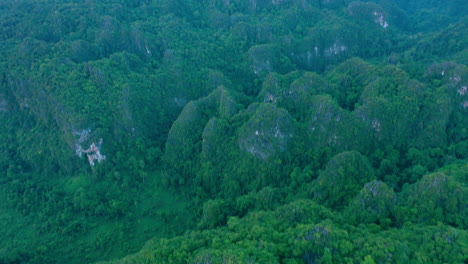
x=295, y=96
x=368, y=11
x=326, y=121
x=262, y=58
x=454, y=76
x=197, y=123
x=328, y=125
x=267, y=132
x=401, y=111
x=437, y=197
x=323, y=46
x=93, y=152
x=274, y=89
x=268, y=58
x=373, y=204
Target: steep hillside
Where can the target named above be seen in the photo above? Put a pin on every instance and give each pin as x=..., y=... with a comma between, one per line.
x=282, y=131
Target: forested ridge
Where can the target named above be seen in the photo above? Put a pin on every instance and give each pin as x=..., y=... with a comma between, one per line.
x=209, y=131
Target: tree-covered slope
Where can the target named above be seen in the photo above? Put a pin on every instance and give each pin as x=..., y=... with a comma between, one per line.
x=283, y=131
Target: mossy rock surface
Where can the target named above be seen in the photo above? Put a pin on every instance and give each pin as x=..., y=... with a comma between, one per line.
x=267, y=132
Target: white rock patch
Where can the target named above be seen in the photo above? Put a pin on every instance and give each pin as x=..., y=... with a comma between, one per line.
x=148, y=51
x=93, y=153
x=336, y=49
x=462, y=91
x=376, y=125
x=83, y=136
x=379, y=18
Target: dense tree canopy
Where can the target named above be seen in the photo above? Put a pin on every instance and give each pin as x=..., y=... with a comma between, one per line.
x=205, y=131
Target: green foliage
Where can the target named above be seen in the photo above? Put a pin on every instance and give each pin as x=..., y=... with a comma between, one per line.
x=375, y=203
x=263, y=237
x=437, y=198
x=214, y=214
x=343, y=177
x=267, y=132
x=233, y=131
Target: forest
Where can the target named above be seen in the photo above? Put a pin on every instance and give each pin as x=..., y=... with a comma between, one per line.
x=232, y=131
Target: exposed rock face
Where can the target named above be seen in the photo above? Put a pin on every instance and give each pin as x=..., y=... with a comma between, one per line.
x=325, y=119
x=335, y=49
x=408, y=112
x=375, y=189
x=93, y=152
x=294, y=96
x=262, y=57
x=268, y=58
x=323, y=46
x=380, y=19
x=368, y=11
x=268, y=132
x=329, y=125
x=274, y=89
x=455, y=77
x=83, y=136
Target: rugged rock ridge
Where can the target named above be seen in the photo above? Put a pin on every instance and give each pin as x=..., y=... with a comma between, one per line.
x=267, y=132
x=93, y=153
x=182, y=145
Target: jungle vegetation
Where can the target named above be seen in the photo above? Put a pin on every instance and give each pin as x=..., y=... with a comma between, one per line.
x=209, y=131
